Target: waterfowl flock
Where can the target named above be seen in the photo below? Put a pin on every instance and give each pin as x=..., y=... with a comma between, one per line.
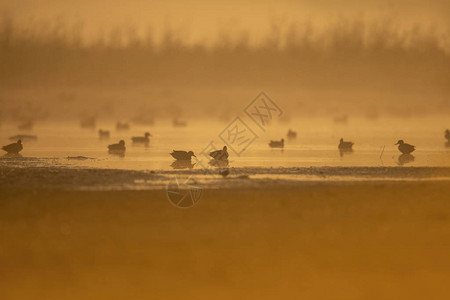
x=219, y=157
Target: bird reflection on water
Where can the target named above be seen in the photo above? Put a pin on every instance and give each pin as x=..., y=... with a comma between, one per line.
x=405, y=159
x=182, y=164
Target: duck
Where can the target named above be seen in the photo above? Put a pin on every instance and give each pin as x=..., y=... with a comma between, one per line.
x=14, y=147
x=291, y=134
x=447, y=135
x=141, y=139
x=119, y=147
x=277, y=144
x=344, y=145
x=103, y=134
x=220, y=154
x=182, y=155
x=122, y=126
x=404, y=147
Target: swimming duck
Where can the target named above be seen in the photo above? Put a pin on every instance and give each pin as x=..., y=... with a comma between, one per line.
x=117, y=147
x=343, y=145
x=122, y=126
x=447, y=135
x=141, y=139
x=220, y=154
x=14, y=147
x=291, y=134
x=404, y=147
x=277, y=144
x=103, y=134
x=182, y=155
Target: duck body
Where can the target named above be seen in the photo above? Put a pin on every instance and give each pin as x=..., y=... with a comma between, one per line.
x=117, y=147
x=220, y=154
x=104, y=134
x=291, y=134
x=141, y=139
x=122, y=126
x=182, y=155
x=404, y=147
x=14, y=147
x=277, y=144
x=344, y=145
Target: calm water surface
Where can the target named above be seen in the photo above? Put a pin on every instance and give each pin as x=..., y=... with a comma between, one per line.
x=315, y=145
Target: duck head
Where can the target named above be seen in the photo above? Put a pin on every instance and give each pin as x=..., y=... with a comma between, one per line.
x=19, y=142
x=225, y=148
x=190, y=153
x=122, y=142
x=400, y=142
x=147, y=134
x=341, y=140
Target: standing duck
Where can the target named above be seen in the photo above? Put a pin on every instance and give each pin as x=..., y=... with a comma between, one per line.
x=220, y=154
x=404, y=147
x=14, y=147
x=344, y=145
x=182, y=155
x=141, y=139
x=277, y=144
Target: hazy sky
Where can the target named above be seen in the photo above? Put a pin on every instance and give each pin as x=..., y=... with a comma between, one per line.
x=203, y=19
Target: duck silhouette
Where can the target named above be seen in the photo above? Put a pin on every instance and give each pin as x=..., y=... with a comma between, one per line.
x=103, y=134
x=122, y=126
x=182, y=155
x=277, y=144
x=220, y=154
x=291, y=134
x=447, y=135
x=13, y=148
x=141, y=139
x=119, y=147
x=345, y=145
x=404, y=147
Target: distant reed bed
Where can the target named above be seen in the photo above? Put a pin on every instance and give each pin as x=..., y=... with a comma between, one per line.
x=348, y=53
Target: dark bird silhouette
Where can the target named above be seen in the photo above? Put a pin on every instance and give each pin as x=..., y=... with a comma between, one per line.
x=182, y=155
x=344, y=145
x=277, y=144
x=119, y=147
x=220, y=154
x=291, y=134
x=122, y=126
x=141, y=139
x=404, y=147
x=447, y=135
x=14, y=147
x=103, y=134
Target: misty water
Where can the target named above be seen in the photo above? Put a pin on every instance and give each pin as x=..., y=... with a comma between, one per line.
x=315, y=145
